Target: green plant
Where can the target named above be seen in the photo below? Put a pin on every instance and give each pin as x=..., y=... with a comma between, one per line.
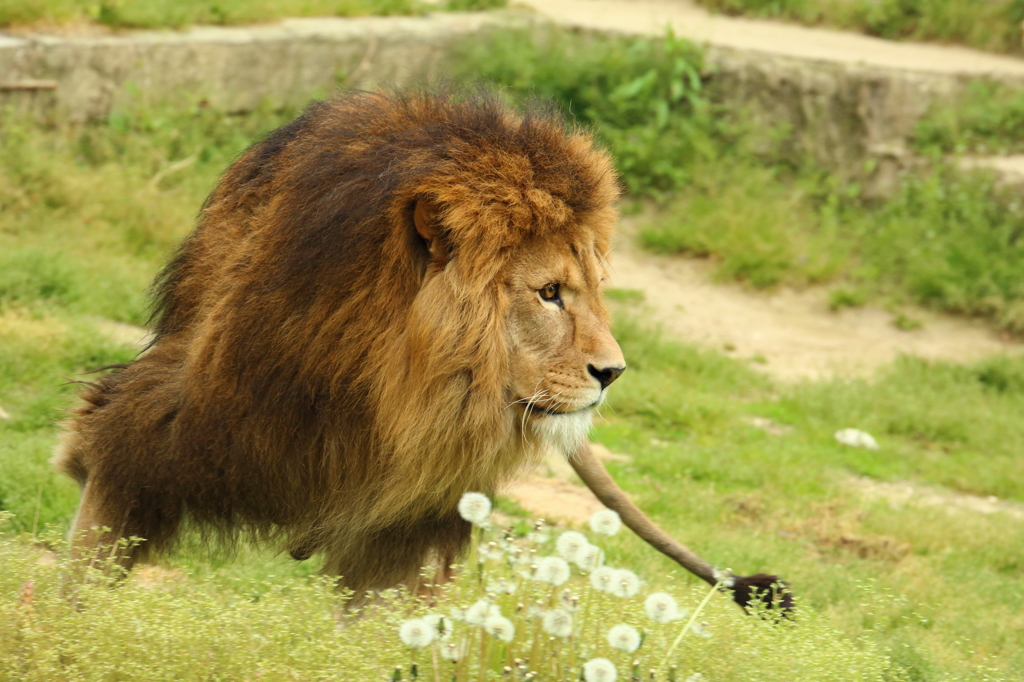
x=643, y=98
x=988, y=118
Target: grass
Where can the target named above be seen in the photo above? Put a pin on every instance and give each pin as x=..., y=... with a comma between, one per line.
x=992, y=25
x=987, y=119
x=902, y=592
x=122, y=14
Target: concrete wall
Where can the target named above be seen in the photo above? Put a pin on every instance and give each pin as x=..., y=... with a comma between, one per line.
x=233, y=69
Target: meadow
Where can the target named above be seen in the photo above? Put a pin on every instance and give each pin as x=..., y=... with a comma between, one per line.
x=888, y=591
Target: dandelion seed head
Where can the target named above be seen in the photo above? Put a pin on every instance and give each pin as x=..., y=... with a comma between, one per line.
x=601, y=578
x=557, y=622
x=502, y=586
x=481, y=611
x=416, y=632
x=701, y=629
x=552, y=570
x=570, y=543
x=501, y=627
x=624, y=637
x=625, y=583
x=599, y=670
x=590, y=557
x=605, y=522
x=475, y=508
x=661, y=607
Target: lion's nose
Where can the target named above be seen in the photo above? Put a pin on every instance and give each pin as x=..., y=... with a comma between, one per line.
x=606, y=375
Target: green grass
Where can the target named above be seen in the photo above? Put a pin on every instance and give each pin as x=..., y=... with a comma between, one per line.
x=987, y=119
x=119, y=14
x=990, y=25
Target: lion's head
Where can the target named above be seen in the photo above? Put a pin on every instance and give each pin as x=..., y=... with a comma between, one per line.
x=388, y=302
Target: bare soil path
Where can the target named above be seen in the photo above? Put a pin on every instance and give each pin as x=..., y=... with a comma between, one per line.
x=772, y=37
x=792, y=333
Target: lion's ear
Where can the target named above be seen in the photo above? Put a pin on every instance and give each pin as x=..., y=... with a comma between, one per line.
x=430, y=229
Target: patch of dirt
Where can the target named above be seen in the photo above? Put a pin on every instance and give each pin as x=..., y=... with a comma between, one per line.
x=791, y=333
x=554, y=492
x=910, y=494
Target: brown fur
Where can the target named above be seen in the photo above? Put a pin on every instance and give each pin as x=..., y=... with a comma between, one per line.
x=349, y=339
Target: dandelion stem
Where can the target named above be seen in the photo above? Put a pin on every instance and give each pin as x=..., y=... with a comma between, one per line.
x=689, y=623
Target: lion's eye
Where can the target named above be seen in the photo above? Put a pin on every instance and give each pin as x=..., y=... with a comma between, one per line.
x=550, y=292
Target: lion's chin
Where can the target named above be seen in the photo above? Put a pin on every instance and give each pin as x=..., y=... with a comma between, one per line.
x=565, y=432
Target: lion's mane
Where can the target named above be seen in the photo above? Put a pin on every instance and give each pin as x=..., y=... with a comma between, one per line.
x=307, y=381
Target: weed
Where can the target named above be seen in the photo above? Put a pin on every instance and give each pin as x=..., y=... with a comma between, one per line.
x=988, y=118
x=842, y=297
x=643, y=97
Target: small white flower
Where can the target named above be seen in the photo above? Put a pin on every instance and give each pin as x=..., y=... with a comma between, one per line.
x=590, y=558
x=552, y=570
x=538, y=537
x=440, y=624
x=481, y=611
x=661, y=607
x=416, y=632
x=725, y=577
x=856, y=438
x=475, y=508
x=570, y=543
x=500, y=627
x=605, y=522
x=557, y=622
x=601, y=578
x=502, y=586
x=624, y=638
x=599, y=670
x=701, y=629
x=625, y=583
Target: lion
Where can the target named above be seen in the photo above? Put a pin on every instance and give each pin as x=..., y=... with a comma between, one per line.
x=391, y=301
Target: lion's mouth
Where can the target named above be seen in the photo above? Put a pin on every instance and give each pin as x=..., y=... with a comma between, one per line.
x=540, y=409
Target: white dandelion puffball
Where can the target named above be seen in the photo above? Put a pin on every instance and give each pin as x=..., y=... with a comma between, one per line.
x=590, y=558
x=502, y=586
x=701, y=630
x=624, y=638
x=601, y=578
x=557, y=622
x=570, y=544
x=500, y=627
x=552, y=570
x=481, y=611
x=605, y=522
x=416, y=632
x=475, y=508
x=440, y=624
x=856, y=438
x=661, y=607
x=599, y=670
x=625, y=583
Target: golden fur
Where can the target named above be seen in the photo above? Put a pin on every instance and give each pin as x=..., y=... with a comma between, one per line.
x=353, y=336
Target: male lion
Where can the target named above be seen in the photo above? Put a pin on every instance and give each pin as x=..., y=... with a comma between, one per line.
x=391, y=301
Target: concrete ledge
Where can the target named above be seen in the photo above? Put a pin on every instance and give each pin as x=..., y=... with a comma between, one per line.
x=232, y=69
